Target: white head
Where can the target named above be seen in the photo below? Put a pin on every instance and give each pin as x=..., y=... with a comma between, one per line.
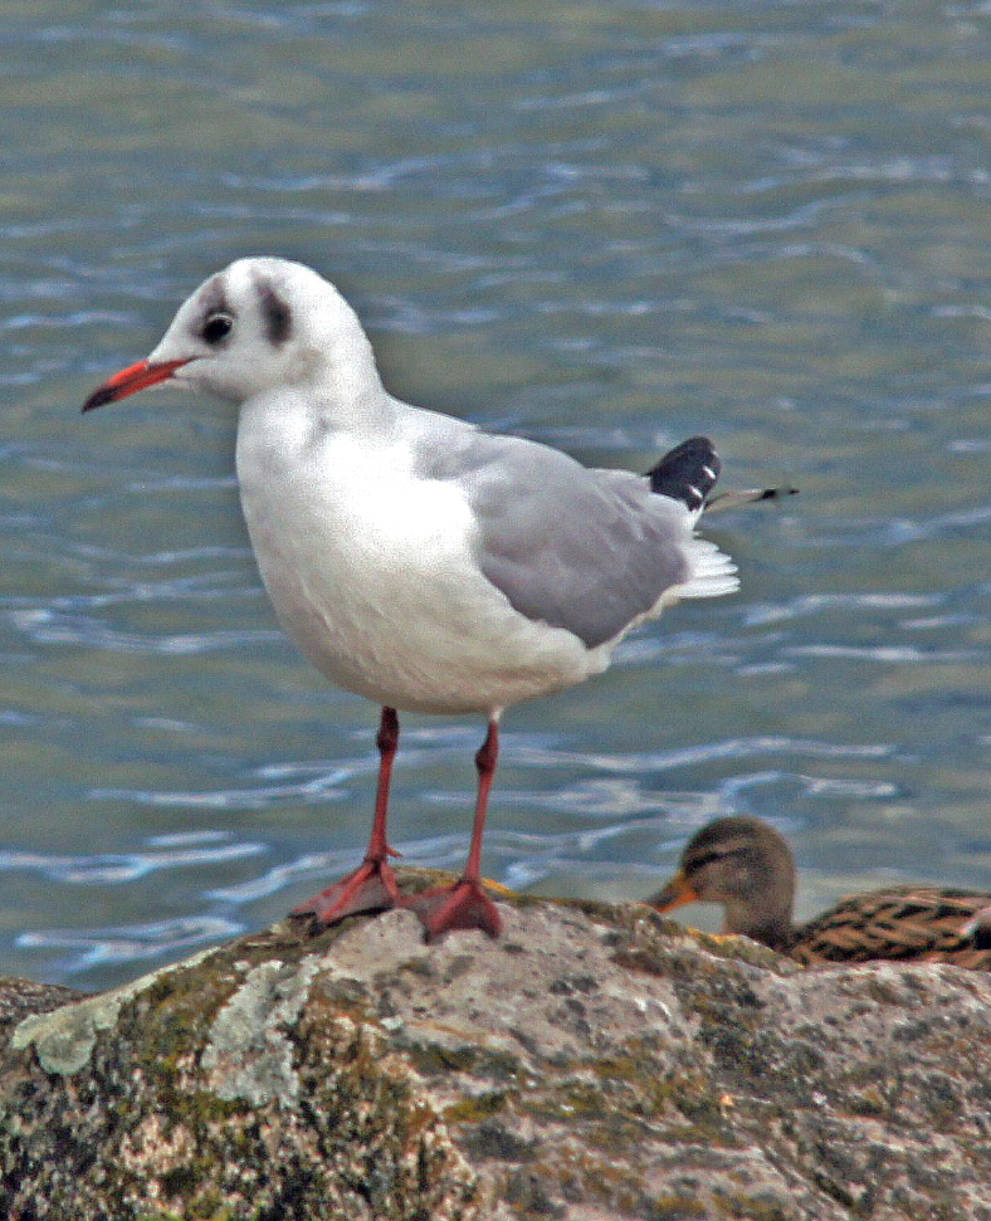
x=259, y=325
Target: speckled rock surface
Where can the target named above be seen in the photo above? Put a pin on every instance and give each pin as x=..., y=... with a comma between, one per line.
x=595, y=1064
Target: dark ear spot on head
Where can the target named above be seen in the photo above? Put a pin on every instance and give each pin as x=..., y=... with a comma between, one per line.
x=213, y=298
x=276, y=314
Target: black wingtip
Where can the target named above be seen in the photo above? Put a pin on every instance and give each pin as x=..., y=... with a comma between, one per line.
x=777, y=493
x=749, y=496
x=687, y=473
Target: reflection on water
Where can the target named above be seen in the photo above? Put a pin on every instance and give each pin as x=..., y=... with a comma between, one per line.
x=608, y=228
x=88, y=950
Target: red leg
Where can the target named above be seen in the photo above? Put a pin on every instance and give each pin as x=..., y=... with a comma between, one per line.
x=372, y=886
x=465, y=905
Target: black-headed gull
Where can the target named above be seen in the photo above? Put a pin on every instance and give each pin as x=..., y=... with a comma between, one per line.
x=414, y=558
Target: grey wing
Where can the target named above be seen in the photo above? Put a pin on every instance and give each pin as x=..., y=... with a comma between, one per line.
x=586, y=550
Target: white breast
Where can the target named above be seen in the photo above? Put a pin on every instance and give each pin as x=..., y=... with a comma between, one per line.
x=371, y=572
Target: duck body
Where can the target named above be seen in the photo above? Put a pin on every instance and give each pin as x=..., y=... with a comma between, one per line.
x=911, y=923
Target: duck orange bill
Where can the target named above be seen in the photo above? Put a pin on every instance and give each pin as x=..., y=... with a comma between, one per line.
x=674, y=894
x=130, y=380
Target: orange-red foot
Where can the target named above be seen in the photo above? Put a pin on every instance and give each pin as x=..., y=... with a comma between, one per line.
x=371, y=887
x=464, y=905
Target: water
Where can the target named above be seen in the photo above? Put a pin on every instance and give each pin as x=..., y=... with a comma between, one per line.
x=605, y=226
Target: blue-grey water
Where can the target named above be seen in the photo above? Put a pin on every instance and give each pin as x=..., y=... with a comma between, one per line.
x=607, y=226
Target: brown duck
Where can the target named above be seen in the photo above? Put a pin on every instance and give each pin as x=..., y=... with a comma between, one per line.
x=748, y=867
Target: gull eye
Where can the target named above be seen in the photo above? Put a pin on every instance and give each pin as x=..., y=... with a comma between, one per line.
x=217, y=327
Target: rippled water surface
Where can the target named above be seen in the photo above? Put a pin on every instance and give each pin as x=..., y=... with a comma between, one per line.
x=605, y=226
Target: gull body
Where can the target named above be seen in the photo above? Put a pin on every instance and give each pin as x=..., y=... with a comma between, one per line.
x=414, y=558
x=372, y=567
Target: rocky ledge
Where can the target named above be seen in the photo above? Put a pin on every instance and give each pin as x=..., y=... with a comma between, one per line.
x=595, y=1063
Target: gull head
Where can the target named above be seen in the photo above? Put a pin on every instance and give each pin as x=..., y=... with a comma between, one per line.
x=259, y=326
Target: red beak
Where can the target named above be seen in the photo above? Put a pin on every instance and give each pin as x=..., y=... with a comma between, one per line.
x=131, y=380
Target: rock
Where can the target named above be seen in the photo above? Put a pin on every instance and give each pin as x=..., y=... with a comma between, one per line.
x=596, y=1063
x=19, y=998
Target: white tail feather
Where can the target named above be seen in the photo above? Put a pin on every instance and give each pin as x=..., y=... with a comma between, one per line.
x=713, y=572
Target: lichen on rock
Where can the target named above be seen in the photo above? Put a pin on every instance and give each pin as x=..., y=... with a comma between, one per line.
x=249, y=1053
